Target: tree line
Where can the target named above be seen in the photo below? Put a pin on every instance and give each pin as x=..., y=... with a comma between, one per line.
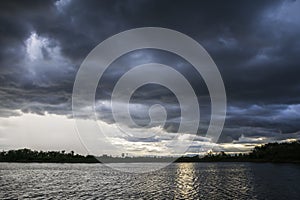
x=271, y=152
x=27, y=155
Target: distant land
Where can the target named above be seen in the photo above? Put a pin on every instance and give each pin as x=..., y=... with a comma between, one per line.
x=271, y=152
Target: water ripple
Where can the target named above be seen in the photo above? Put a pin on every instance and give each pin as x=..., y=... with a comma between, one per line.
x=177, y=181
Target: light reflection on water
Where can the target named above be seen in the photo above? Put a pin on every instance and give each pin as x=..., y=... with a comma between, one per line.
x=177, y=181
x=194, y=181
x=185, y=179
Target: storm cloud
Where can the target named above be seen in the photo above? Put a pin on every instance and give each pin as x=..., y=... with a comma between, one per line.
x=255, y=45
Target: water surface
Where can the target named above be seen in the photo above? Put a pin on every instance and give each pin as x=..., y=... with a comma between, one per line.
x=177, y=181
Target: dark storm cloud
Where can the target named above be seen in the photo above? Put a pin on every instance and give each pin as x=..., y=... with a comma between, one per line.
x=256, y=47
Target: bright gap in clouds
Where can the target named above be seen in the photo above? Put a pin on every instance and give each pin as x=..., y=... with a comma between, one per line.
x=39, y=132
x=34, y=45
x=57, y=132
x=44, y=63
x=45, y=52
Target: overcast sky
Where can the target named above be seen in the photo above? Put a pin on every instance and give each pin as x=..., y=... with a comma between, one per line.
x=255, y=46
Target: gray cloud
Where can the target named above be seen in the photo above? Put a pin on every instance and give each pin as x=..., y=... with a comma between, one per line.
x=255, y=46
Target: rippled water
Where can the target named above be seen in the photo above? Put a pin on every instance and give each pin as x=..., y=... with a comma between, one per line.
x=177, y=181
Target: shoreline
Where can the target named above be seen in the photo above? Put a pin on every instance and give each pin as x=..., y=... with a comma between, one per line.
x=267, y=153
x=271, y=162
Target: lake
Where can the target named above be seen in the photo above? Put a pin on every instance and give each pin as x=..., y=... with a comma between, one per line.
x=176, y=181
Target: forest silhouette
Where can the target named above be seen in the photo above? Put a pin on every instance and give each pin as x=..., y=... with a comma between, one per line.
x=271, y=152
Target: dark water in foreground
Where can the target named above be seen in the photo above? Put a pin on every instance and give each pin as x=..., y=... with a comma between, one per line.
x=177, y=181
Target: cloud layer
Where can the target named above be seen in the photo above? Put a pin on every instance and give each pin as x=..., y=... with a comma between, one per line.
x=256, y=47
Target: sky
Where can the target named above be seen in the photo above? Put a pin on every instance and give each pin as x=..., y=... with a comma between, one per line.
x=255, y=46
